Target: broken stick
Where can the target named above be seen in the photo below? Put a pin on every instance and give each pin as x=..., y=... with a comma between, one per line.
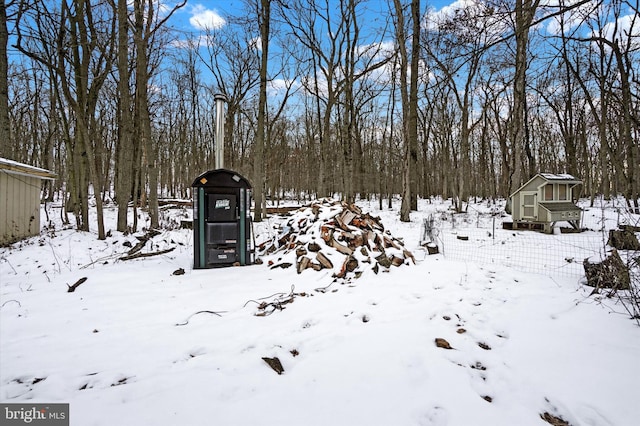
x=73, y=287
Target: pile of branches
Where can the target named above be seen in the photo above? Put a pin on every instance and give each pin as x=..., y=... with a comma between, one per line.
x=335, y=235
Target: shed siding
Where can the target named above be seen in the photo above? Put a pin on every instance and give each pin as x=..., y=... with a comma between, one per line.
x=534, y=184
x=553, y=195
x=515, y=207
x=531, y=186
x=19, y=207
x=543, y=215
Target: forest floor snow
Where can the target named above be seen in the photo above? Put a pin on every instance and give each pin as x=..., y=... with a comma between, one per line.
x=136, y=344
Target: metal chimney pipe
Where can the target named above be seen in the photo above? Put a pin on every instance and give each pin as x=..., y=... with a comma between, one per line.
x=219, y=145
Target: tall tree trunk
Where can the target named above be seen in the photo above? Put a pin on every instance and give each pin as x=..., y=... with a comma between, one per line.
x=5, y=130
x=141, y=37
x=124, y=149
x=348, y=117
x=413, y=106
x=524, y=12
x=84, y=104
x=258, y=158
x=409, y=103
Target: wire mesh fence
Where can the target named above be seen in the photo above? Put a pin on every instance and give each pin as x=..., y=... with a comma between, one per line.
x=481, y=239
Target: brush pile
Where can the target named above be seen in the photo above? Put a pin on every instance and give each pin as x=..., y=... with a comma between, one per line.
x=334, y=235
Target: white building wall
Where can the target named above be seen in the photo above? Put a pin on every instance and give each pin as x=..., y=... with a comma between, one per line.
x=19, y=206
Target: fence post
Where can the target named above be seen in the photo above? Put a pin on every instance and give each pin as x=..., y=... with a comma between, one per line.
x=494, y=228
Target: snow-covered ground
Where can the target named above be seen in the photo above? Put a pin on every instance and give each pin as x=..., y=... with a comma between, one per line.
x=130, y=346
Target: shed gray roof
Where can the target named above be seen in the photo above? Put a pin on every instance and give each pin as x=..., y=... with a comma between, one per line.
x=560, y=176
x=560, y=207
x=13, y=167
x=551, y=177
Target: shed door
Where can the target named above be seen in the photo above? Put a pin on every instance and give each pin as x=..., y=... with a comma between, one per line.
x=528, y=201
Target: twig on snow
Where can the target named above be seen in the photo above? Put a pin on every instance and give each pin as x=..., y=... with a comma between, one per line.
x=199, y=312
x=10, y=265
x=102, y=259
x=277, y=304
x=12, y=300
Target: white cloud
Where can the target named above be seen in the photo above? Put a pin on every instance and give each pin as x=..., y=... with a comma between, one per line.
x=206, y=19
x=448, y=12
x=187, y=43
x=626, y=30
x=279, y=86
x=255, y=43
x=477, y=16
x=568, y=20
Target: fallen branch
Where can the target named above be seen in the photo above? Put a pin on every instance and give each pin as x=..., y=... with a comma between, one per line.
x=155, y=253
x=142, y=241
x=73, y=287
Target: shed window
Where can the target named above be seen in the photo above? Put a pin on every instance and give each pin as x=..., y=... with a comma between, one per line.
x=529, y=199
x=562, y=192
x=548, y=192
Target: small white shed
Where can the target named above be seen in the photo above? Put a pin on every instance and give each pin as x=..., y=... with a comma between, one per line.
x=545, y=199
x=20, y=186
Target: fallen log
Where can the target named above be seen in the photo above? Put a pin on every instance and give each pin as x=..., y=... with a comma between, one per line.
x=155, y=253
x=142, y=240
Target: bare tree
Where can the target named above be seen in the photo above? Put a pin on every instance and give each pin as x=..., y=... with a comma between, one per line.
x=80, y=53
x=456, y=51
x=409, y=97
x=312, y=25
x=231, y=58
x=125, y=148
x=147, y=25
x=5, y=129
x=264, y=19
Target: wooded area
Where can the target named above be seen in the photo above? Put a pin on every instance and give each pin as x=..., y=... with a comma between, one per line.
x=323, y=99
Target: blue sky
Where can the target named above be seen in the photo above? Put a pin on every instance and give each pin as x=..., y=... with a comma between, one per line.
x=215, y=12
